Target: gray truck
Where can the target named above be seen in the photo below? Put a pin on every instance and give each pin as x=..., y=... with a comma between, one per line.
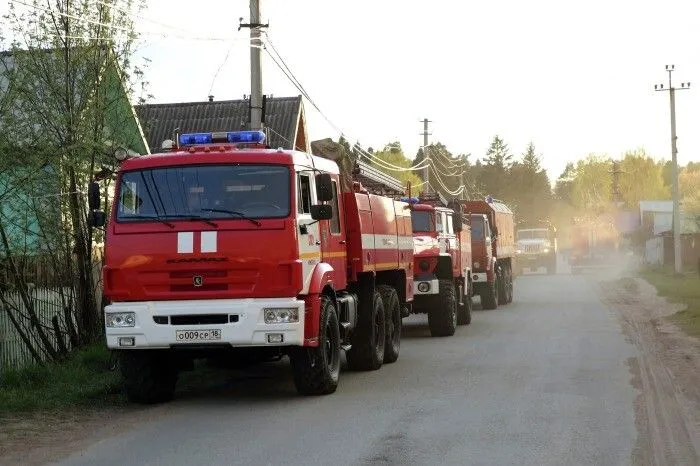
x=535, y=248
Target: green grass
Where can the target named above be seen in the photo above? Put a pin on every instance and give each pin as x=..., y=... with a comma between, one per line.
x=683, y=289
x=83, y=381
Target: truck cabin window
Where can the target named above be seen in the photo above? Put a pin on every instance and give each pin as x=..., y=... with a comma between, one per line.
x=210, y=191
x=477, y=225
x=422, y=221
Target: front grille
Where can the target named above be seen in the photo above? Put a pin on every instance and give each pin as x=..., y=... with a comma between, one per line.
x=205, y=287
x=199, y=319
x=531, y=248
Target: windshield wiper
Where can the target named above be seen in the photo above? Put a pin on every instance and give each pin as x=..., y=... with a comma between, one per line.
x=196, y=218
x=149, y=217
x=236, y=213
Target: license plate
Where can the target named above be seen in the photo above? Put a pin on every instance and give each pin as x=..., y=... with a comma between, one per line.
x=187, y=336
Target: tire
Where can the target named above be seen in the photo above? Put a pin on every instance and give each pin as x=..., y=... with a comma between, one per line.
x=392, y=310
x=502, y=287
x=509, y=285
x=369, y=339
x=464, y=312
x=316, y=370
x=149, y=376
x=489, y=296
x=443, y=319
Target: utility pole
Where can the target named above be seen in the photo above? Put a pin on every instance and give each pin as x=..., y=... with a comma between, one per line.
x=256, y=95
x=674, y=164
x=426, y=172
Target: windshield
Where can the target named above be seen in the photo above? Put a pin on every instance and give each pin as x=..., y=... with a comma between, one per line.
x=211, y=191
x=422, y=221
x=477, y=225
x=533, y=234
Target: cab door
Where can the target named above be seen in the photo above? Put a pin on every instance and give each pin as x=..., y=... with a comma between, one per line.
x=309, y=233
x=333, y=240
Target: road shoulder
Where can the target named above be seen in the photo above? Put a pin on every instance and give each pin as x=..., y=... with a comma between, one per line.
x=666, y=372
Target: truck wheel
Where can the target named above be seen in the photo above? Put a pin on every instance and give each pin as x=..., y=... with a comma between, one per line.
x=149, y=376
x=316, y=370
x=368, y=342
x=443, y=320
x=509, y=285
x=502, y=287
x=464, y=312
x=489, y=296
x=392, y=310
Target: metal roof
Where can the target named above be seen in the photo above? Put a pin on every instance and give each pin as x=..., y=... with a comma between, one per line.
x=376, y=181
x=159, y=121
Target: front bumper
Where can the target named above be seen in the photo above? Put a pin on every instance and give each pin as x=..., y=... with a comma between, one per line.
x=426, y=287
x=247, y=329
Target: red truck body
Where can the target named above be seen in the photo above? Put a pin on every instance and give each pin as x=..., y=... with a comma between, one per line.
x=443, y=257
x=493, y=251
x=278, y=262
x=594, y=244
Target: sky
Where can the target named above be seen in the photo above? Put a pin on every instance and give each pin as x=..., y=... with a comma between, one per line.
x=572, y=77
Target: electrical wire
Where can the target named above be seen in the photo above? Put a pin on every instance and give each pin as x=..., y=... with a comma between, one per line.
x=123, y=29
x=213, y=80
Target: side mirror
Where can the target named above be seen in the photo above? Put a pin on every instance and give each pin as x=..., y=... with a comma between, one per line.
x=457, y=222
x=495, y=231
x=97, y=218
x=321, y=212
x=93, y=196
x=324, y=187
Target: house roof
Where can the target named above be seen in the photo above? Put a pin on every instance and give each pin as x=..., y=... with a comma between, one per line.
x=159, y=121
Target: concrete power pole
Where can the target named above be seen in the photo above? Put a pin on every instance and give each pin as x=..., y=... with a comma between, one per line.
x=674, y=164
x=256, y=95
x=426, y=170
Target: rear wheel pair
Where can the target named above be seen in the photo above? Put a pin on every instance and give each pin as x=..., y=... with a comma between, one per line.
x=376, y=341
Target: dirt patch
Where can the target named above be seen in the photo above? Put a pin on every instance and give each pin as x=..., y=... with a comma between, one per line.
x=666, y=372
x=44, y=437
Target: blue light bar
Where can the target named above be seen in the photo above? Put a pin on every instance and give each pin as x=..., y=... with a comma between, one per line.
x=195, y=138
x=253, y=137
x=410, y=200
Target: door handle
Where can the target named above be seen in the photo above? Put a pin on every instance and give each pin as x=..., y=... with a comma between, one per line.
x=342, y=241
x=318, y=242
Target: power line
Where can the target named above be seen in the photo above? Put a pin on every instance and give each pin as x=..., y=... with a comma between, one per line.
x=123, y=29
x=213, y=80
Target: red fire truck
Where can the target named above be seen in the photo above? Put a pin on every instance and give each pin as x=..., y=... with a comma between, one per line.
x=493, y=250
x=442, y=256
x=224, y=245
x=594, y=244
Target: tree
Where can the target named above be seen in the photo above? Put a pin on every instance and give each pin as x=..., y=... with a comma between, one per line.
x=446, y=172
x=592, y=185
x=498, y=155
x=71, y=74
x=496, y=168
x=392, y=155
x=641, y=178
x=564, y=186
x=530, y=194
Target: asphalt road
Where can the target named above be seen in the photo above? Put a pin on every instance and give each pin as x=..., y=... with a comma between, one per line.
x=542, y=381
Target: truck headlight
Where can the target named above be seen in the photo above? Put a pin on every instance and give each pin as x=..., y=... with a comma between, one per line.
x=120, y=319
x=518, y=251
x=546, y=250
x=282, y=315
x=424, y=287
